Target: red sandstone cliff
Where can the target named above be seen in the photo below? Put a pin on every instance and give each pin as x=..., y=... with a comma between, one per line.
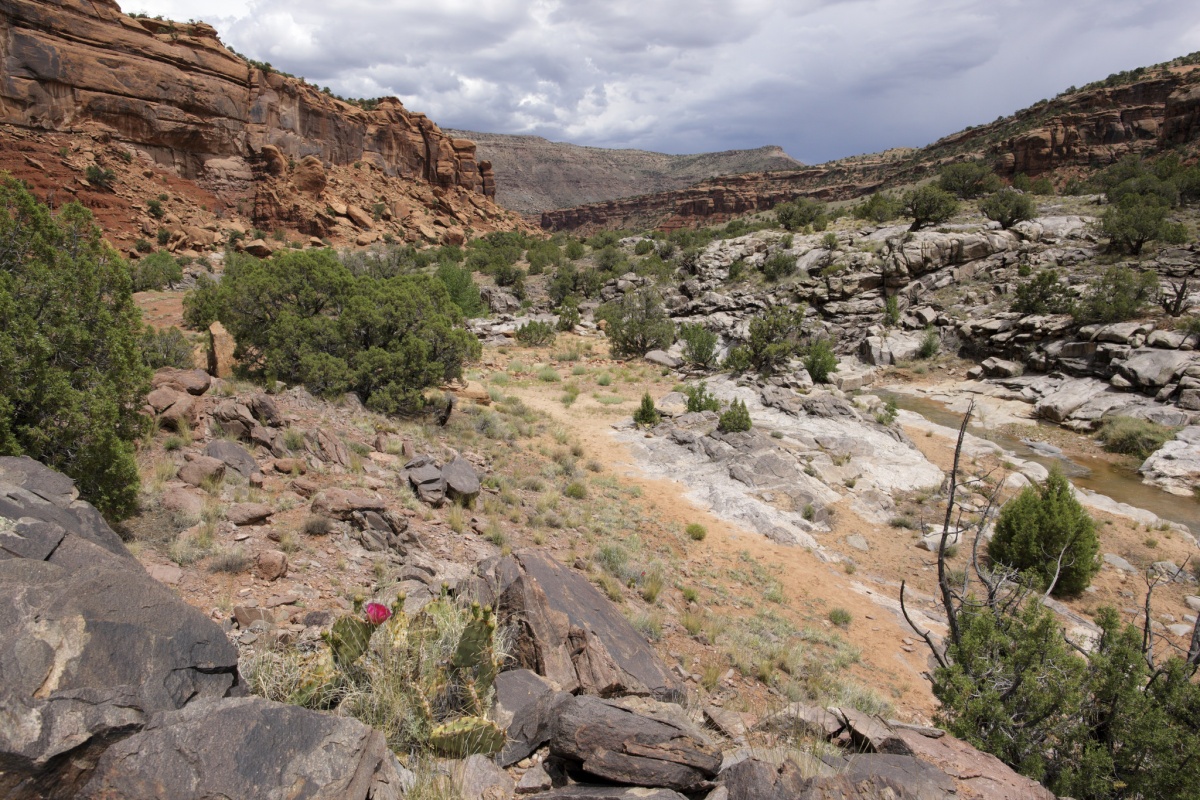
x=178, y=99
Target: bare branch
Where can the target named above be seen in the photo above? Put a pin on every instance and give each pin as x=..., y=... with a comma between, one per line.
x=937, y=654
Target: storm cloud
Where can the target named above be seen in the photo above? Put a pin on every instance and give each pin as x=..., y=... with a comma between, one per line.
x=821, y=78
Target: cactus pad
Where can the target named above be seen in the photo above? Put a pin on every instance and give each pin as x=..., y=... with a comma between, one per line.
x=467, y=736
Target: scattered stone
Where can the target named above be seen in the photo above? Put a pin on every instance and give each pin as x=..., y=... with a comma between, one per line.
x=478, y=778
x=534, y=780
x=200, y=469
x=342, y=503
x=663, y=359
x=461, y=481
x=271, y=565
x=248, y=513
x=165, y=573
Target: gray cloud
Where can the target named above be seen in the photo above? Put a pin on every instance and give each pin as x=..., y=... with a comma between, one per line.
x=822, y=78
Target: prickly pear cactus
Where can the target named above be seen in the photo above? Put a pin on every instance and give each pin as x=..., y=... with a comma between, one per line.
x=317, y=675
x=467, y=736
x=475, y=660
x=348, y=639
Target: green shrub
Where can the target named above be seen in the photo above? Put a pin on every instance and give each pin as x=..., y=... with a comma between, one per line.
x=1042, y=186
x=1117, y=295
x=74, y=379
x=887, y=415
x=879, y=208
x=637, y=323
x=460, y=285
x=201, y=306
x=568, y=313
x=166, y=348
x=156, y=271
x=820, y=361
x=647, y=415
x=779, y=265
x=830, y=241
x=801, y=212
x=576, y=491
x=1133, y=437
x=303, y=317
x=931, y=343
x=1045, y=530
x=929, y=205
x=736, y=419
x=535, y=334
x=699, y=344
x=774, y=338
x=700, y=399
x=99, y=176
x=1008, y=207
x=1138, y=219
x=574, y=249
x=155, y=209
x=1045, y=294
x=968, y=180
x=696, y=532
x=643, y=247
x=891, y=311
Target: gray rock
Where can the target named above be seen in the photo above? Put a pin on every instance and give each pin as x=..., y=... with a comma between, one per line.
x=1192, y=601
x=462, y=483
x=478, y=778
x=803, y=720
x=1115, y=561
x=871, y=733
x=1062, y=402
x=569, y=632
x=248, y=747
x=92, y=644
x=663, y=359
x=525, y=708
x=265, y=411
x=1180, y=630
x=617, y=745
x=1152, y=369
x=583, y=791
x=425, y=476
x=534, y=780
x=858, y=542
x=999, y=368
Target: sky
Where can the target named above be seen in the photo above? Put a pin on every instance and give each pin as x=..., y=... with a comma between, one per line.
x=823, y=79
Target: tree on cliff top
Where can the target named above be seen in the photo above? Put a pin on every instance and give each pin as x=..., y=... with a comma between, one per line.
x=74, y=380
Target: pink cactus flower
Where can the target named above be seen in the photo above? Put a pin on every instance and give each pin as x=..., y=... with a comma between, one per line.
x=377, y=613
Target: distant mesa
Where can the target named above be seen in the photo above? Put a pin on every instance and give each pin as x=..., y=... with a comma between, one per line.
x=537, y=175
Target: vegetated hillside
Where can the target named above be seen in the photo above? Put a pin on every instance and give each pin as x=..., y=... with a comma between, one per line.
x=1146, y=110
x=114, y=110
x=537, y=174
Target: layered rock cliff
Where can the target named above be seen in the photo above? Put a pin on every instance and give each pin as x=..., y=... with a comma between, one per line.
x=189, y=106
x=540, y=175
x=1156, y=109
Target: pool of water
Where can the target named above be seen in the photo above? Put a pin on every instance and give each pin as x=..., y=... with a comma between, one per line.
x=1122, y=484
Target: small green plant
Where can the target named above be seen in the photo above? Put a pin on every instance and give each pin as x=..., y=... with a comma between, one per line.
x=99, y=176
x=820, y=361
x=830, y=241
x=155, y=209
x=647, y=415
x=651, y=585
x=779, y=265
x=700, y=399
x=568, y=313
x=840, y=617
x=696, y=531
x=576, y=491
x=887, y=415
x=317, y=525
x=891, y=311
x=548, y=375
x=535, y=334
x=736, y=419
x=699, y=344
x=931, y=343
x=1008, y=207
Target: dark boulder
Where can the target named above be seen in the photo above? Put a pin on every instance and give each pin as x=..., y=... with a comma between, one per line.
x=90, y=644
x=233, y=456
x=462, y=482
x=568, y=631
x=248, y=747
x=618, y=745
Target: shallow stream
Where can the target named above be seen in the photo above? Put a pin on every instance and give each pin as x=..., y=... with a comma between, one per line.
x=1121, y=483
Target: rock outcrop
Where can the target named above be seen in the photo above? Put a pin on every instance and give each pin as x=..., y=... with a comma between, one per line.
x=267, y=145
x=111, y=686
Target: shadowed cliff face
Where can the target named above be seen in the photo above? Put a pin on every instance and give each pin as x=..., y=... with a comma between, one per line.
x=176, y=91
x=1079, y=131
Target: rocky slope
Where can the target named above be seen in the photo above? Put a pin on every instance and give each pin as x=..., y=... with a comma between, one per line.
x=1152, y=110
x=539, y=175
x=154, y=101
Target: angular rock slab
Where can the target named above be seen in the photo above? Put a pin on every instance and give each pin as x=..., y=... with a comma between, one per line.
x=461, y=480
x=583, y=791
x=869, y=777
x=568, y=631
x=90, y=644
x=248, y=748
x=619, y=746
